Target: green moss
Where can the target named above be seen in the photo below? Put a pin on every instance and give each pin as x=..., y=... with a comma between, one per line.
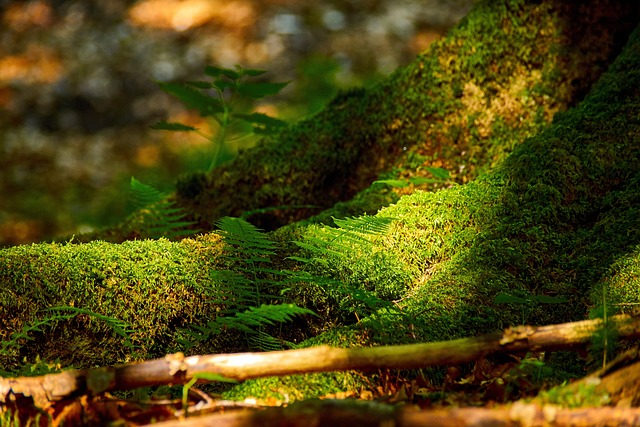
x=154, y=286
x=290, y=388
x=494, y=80
x=549, y=221
x=555, y=217
x=619, y=290
x=558, y=215
x=298, y=387
x=517, y=239
x=583, y=396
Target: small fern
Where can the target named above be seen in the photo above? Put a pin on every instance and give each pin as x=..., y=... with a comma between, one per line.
x=354, y=235
x=349, y=298
x=241, y=288
x=221, y=98
x=352, y=231
x=12, y=346
x=250, y=289
x=142, y=195
x=163, y=218
x=440, y=176
x=246, y=240
x=250, y=321
x=267, y=342
x=248, y=252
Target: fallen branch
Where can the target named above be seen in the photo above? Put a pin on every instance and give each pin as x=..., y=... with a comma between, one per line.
x=178, y=369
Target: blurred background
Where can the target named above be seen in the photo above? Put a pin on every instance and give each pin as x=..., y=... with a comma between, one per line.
x=78, y=88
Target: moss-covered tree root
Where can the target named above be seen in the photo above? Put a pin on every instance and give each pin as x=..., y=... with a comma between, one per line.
x=497, y=78
x=557, y=218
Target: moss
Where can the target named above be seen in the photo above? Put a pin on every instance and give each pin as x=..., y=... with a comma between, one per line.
x=494, y=80
x=619, y=290
x=557, y=218
x=154, y=286
x=569, y=396
x=290, y=388
x=553, y=218
x=560, y=210
x=366, y=202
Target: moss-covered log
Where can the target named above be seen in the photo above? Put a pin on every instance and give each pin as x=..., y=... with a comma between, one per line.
x=558, y=217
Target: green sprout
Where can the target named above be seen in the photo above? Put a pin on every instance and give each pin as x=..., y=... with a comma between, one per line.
x=220, y=99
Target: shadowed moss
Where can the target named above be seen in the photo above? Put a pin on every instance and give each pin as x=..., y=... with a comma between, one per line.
x=496, y=79
x=619, y=291
x=550, y=220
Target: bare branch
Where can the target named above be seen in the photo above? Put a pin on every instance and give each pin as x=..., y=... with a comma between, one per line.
x=178, y=369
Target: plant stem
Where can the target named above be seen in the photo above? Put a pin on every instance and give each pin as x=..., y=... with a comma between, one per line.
x=221, y=134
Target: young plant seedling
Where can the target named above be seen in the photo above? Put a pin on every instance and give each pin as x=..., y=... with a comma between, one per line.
x=220, y=99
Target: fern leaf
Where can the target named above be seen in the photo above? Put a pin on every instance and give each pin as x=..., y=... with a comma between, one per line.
x=143, y=195
x=239, y=290
x=363, y=227
x=163, y=218
x=58, y=314
x=353, y=232
x=250, y=320
x=277, y=313
x=166, y=221
x=233, y=289
x=248, y=238
x=265, y=342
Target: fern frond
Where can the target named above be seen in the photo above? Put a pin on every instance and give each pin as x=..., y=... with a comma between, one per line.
x=324, y=248
x=119, y=327
x=363, y=228
x=247, y=238
x=264, y=315
x=233, y=289
x=242, y=287
x=339, y=242
x=163, y=218
x=58, y=314
x=354, y=237
x=248, y=321
x=265, y=342
x=142, y=195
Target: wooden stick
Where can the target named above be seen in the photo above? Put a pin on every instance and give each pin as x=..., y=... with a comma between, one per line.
x=178, y=369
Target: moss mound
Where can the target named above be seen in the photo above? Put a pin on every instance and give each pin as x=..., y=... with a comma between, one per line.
x=496, y=79
x=555, y=218
x=153, y=286
x=559, y=217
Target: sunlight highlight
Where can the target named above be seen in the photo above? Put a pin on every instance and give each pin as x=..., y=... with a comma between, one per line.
x=187, y=14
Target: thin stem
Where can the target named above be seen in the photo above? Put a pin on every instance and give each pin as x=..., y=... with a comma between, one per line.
x=218, y=140
x=224, y=122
